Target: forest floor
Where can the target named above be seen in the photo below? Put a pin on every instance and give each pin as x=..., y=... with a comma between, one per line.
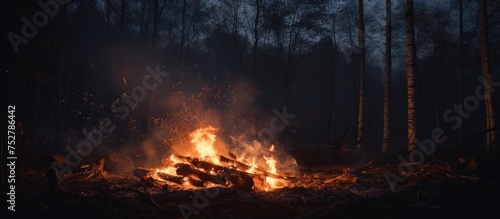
x=435, y=190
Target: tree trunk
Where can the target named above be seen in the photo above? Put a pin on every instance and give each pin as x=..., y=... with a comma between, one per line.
x=183, y=33
x=236, y=35
x=156, y=22
x=411, y=56
x=436, y=90
x=332, y=82
x=462, y=61
x=122, y=16
x=485, y=62
x=256, y=42
x=141, y=23
x=154, y=50
x=362, y=55
x=387, y=89
x=62, y=92
x=255, y=47
x=60, y=98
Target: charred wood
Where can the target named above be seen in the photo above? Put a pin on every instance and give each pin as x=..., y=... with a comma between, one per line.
x=207, y=166
x=171, y=178
x=141, y=172
x=242, y=182
x=189, y=171
x=241, y=166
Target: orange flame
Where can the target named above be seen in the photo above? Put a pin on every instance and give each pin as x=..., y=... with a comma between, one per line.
x=272, y=182
x=204, y=139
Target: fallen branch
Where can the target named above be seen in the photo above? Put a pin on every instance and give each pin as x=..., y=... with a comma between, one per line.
x=361, y=168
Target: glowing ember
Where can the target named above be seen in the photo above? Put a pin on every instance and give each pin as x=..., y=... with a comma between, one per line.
x=169, y=170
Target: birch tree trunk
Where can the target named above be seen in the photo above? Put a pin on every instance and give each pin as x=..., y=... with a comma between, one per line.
x=411, y=56
x=485, y=62
x=387, y=89
x=362, y=55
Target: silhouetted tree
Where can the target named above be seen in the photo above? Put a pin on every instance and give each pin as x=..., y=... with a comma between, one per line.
x=462, y=59
x=257, y=5
x=185, y=23
x=362, y=58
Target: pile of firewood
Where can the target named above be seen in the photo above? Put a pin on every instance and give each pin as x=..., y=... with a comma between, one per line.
x=200, y=173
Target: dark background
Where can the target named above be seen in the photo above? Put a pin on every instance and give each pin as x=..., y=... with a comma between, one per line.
x=64, y=79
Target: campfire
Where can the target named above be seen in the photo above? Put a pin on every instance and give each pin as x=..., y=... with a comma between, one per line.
x=209, y=163
x=205, y=175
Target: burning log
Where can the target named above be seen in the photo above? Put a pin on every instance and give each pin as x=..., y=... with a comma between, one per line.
x=197, y=183
x=207, y=166
x=200, y=173
x=189, y=175
x=234, y=163
x=141, y=172
x=188, y=171
x=239, y=165
x=236, y=168
x=147, y=173
x=242, y=181
x=171, y=178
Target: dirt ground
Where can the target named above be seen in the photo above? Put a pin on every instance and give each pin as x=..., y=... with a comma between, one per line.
x=435, y=190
